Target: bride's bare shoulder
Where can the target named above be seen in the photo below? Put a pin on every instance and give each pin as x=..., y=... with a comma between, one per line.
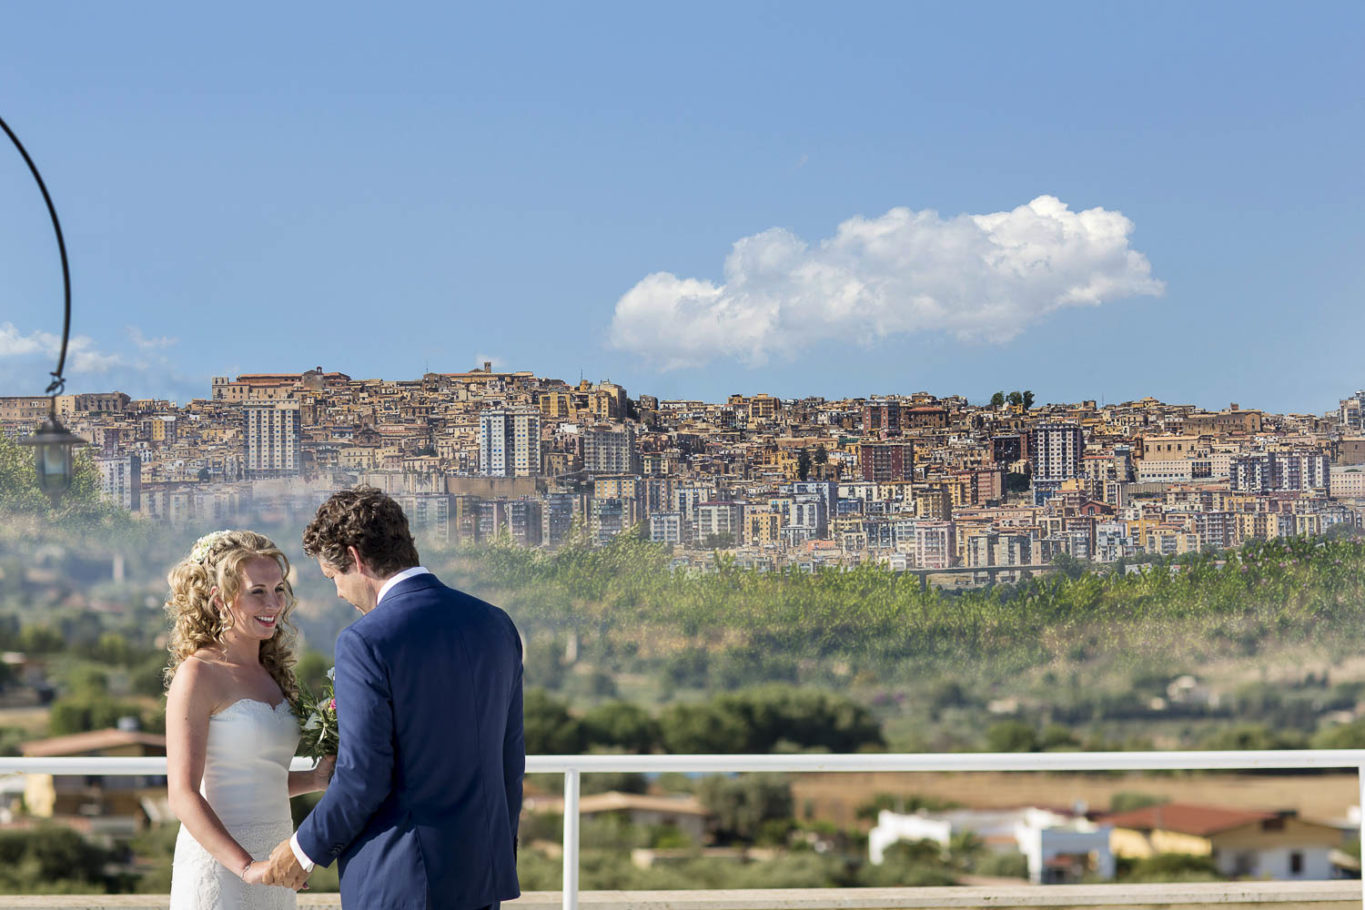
x=200, y=678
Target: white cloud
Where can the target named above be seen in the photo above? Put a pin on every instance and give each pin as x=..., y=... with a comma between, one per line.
x=144, y=343
x=26, y=362
x=13, y=344
x=975, y=277
x=81, y=354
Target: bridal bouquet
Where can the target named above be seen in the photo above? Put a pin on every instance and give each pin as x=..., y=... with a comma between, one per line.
x=319, y=734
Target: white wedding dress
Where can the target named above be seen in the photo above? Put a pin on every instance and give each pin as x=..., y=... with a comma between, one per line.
x=246, y=781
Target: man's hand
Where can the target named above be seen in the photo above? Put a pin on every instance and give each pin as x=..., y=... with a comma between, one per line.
x=284, y=868
x=326, y=767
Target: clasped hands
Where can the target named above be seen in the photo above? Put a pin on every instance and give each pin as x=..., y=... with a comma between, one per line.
x=281, y=869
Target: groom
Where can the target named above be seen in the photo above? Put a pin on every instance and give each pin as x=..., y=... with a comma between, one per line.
x=422, y=810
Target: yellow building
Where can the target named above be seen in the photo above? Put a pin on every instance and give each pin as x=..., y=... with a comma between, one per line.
x=122, y=803
x=607, y=402
x=1233, y=420
x=763, y=526
x=763, y=407
x=358, y=458
x=557, y=406
x=618, y=486
x=933, y=501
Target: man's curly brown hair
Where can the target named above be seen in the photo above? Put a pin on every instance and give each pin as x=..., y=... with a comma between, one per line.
x=369, y=520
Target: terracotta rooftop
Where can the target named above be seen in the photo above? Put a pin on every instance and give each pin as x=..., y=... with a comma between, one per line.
x=95, y=741
x=614, y=801
x=1186, y=818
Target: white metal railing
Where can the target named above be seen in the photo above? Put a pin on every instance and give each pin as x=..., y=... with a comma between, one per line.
x=574, y=766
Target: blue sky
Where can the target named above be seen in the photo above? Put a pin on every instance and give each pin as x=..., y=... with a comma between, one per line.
x=696, y=200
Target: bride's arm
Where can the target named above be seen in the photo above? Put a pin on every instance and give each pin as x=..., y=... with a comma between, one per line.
x=312, y=781
x=188, y=705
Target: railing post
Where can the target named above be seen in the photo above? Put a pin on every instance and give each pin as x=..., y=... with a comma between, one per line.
x=570, y=893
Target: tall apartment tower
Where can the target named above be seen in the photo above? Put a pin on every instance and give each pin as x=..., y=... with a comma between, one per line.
x=610, y=450
x=882, y=419
x=272, y=439
x=509, y=442
x=1056, y=449
x=883, y=462
x=1352, y=413
x=121, y=480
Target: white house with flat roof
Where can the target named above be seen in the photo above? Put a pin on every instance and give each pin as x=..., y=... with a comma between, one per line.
x=1058, y=847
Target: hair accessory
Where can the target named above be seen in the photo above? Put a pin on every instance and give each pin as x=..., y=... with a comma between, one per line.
x=200, y=551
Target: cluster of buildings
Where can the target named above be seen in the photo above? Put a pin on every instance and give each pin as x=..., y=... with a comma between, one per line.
x=1069, y=846
x=916, y=482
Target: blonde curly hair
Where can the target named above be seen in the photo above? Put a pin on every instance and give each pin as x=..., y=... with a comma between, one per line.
x=216, y=561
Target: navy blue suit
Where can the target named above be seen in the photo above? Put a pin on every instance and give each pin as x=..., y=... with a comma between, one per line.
x=422, y=811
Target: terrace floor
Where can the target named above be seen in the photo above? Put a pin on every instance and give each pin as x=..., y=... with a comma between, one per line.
x=1333, y=895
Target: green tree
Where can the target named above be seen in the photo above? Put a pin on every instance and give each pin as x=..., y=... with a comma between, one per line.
x=917, y=864
x=742, y=805
x=902, y=804
x=764, y=718
x=1251, y=737
x=311, y=671
x=1172, y=867
x=549, y=728
x=41, y=640
x=543, y=662
x=621, y=725
x=1058, y=738
x=1012, y=736
x=1340, y=736
x=149, y=677
x=20, y=494
x=88, y=711
x=1016, y=399
x=52, y=859
x=803, y=464
x=1070, y=566
x=1028, y=400
x=689, y=728
x=998, y=399
x=87, y=680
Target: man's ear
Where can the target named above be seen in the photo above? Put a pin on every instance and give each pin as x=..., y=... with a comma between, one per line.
x=359, y=563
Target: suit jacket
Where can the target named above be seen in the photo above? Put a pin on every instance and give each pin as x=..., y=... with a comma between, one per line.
x=422, y=810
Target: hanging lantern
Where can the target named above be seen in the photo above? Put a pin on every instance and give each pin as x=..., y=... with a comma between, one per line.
x=52, y=445
x=51, y=441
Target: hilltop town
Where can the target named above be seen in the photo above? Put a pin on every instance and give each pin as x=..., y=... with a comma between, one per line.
x=915, y=482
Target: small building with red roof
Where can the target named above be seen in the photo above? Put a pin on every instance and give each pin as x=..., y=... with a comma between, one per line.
x=1242, y=842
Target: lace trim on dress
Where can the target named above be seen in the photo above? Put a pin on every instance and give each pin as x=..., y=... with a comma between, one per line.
x=200, y=882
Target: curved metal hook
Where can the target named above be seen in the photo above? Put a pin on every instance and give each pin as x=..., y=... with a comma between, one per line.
x=58, y=383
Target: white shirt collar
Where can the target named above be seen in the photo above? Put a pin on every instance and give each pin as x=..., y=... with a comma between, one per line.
x=395, y=579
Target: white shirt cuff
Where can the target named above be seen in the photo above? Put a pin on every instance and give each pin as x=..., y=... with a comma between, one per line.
x=299, y=855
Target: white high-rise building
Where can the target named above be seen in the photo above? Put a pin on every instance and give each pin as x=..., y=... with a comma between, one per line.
x=509, y=442
x=1352, y=413
x=1056, y=450
x=121, y=480
x=272, y=439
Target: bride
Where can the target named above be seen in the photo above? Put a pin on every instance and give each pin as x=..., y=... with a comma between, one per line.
x=230, y=732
